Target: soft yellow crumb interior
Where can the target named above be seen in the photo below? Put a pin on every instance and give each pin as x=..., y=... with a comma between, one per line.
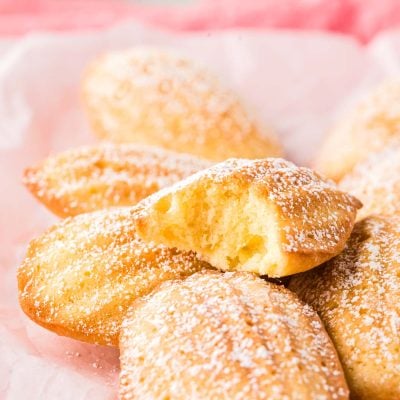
x=231, y=231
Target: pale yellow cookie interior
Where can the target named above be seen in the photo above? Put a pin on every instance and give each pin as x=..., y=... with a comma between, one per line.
x=264, y=216
x=221, y=229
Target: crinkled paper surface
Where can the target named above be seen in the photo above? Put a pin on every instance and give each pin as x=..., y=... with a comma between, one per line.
x=296, y=82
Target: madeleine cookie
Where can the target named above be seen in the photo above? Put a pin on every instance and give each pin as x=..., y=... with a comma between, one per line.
x=367, y=129
x=226, y=336
x=357, y=295
x=376, y=182
x=79, y=278
x=265, y=216
x=91, y=178
x=154, y=97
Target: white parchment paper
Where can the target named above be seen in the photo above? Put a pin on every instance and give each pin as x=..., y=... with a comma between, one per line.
x=296, y=82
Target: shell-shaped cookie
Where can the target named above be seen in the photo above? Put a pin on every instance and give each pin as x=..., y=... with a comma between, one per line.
x=156, y=97
x=86, y=179
x=357, y=295
x=376, y=182
x=372, y=125
x=266, y=216
x=227, y=336
x=79, y=278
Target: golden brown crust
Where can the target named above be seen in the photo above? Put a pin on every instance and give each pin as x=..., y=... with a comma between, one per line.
x=357, y=295
x=306, y=218
x=376, y=182
x=226, y=336
x=372, y=125
x=107, y=175
x=79, y=278
x=150, y=96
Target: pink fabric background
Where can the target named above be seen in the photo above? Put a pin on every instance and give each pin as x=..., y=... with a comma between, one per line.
x=361, y=18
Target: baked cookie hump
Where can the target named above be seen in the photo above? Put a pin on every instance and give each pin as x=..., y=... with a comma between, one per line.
x=79, y=278
x=266, y=216
x=151, y=96
x=376, y=182
x=357, y=295
x=227, y=336
x=108, y=175
x=368, y=128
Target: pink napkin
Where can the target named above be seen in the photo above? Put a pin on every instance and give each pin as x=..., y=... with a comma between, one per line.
x=361, y=18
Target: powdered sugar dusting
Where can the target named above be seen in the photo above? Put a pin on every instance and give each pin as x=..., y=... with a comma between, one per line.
x=376, y=182
x=91, y=178
x=379, y=113
x=357, y=297
x=80, y=277
x=371, y=126
x=227, y=336
x=152, y=96
x=314, y=214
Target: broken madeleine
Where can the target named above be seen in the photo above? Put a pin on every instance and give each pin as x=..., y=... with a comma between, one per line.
x=226, y=336
x=152, y=96
x=266, y=216
x=90, y=178
x=79, y=278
